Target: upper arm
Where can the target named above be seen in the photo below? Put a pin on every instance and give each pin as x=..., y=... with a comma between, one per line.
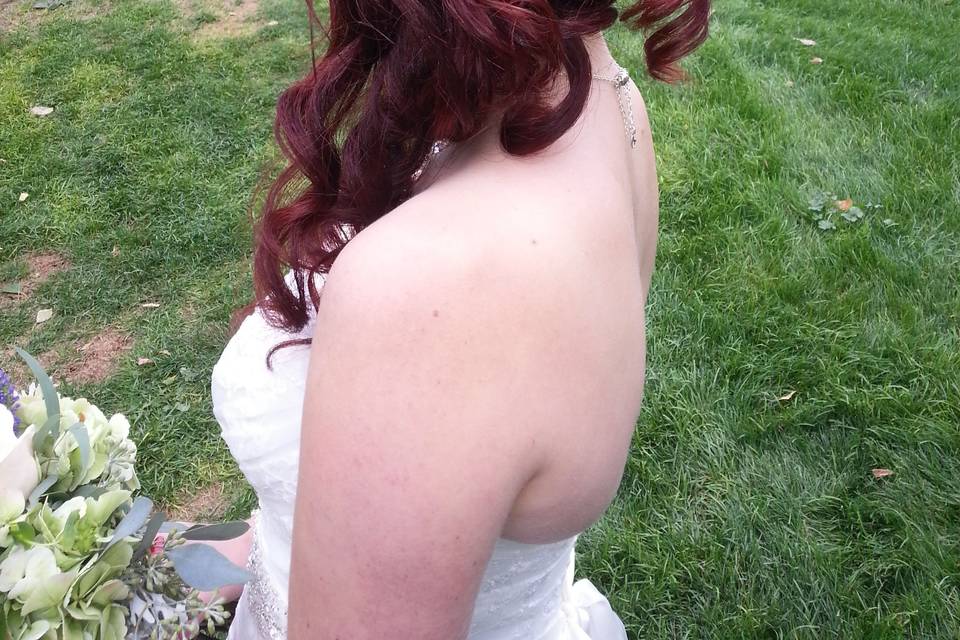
x=410, y=462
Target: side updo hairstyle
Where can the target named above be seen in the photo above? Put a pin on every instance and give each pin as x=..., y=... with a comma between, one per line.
x=397, y=75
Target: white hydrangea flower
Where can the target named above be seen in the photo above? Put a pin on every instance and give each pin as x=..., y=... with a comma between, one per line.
x=12, y=504
x=25, y=570
x=78, y=503
x=119, y=426
x=30, y=406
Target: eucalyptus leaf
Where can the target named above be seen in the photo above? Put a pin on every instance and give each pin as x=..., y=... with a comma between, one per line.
x=41, y=488
x=50, y=427
x=172, y=525
x=204, y=568
x=223, y=531
x=50, y=397
x=13, y=288
x=134, y=519
x=79, y=433
x=89, y=491
x=149, y=534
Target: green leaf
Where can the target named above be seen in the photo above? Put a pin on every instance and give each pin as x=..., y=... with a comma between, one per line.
x=50, y=397
x=223, y=531
x=108, y=592
x=110, y=565
x=79, y=433
x=23, y=533
x=12, y=288
x=36, y=630
x=134, y=519
x=149, y=534
x=204, y=568
x=41, y=488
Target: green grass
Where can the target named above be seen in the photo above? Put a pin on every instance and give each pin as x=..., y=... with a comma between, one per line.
x=740, y=516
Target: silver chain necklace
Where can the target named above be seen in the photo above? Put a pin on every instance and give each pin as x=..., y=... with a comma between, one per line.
x=620, y=81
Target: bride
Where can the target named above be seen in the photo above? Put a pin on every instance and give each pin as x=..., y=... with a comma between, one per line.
x=471, y=187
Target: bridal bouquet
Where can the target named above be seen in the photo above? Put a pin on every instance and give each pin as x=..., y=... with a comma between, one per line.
x=80, y=552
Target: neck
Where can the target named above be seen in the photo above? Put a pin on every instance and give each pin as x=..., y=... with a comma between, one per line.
x=601, y=63
x=601, y=60
x=488, y=139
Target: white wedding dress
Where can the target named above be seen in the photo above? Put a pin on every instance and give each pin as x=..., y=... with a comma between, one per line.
x=528, y=590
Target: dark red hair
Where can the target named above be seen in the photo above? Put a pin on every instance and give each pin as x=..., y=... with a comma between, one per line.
x=397, y=75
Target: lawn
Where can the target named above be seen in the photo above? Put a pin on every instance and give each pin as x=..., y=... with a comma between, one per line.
x=798, y=348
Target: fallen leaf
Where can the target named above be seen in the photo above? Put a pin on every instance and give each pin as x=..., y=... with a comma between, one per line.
x=13, y=288
x=272, y=23
x=807, y=42
x=881, y=473
x=164, y=352
x=826, y=225
x=116, y=251
x=40, y=111
x=889, y=223
x=182, y=406
x=789, y=83
x=787, y=396
x=143, y=361
x=816, y=60
x=844, y=205
x=232, y=13
x=23, y=196
x=853, y=215
x=43, y=315
x=150, y=305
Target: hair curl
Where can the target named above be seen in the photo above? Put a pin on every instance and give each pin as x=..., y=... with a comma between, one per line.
x=399, y=74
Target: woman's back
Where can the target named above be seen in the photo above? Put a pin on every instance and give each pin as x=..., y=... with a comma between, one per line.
x=477, y=359
x=586, y=210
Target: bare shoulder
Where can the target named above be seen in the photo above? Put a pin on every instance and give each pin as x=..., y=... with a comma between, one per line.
x=443, y=251
x=410, y=462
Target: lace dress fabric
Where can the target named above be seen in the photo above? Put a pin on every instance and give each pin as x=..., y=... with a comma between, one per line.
x=528, y=590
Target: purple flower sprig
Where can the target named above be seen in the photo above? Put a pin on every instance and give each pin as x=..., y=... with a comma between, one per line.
x=9, y=397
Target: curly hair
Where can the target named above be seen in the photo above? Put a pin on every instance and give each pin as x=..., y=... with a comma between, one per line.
x=399, y=74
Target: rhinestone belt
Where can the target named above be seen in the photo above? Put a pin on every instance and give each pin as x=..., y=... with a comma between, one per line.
x=263, y=598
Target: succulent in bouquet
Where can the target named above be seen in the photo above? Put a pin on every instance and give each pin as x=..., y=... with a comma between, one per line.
x=80, y=555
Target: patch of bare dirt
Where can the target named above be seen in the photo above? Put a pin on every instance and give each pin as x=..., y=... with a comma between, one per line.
x=18, y=13
x=89, y=360
x=13, y=13
x=40, y=268
x=204, y=505
x=15, y=367
x=221, y=18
